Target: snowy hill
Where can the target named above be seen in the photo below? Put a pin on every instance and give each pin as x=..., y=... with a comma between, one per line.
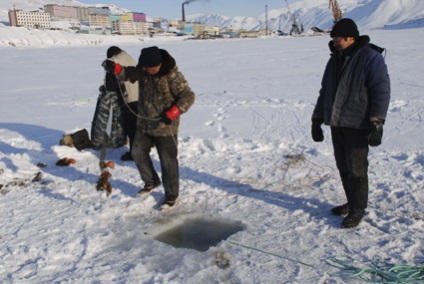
x=369, y=14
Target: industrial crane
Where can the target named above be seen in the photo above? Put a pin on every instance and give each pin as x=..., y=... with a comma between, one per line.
x=296, y=27
x=337, y=12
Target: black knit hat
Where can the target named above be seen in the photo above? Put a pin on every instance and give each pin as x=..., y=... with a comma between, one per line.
x=112, y=51
x=345, y=28
x=150, y=57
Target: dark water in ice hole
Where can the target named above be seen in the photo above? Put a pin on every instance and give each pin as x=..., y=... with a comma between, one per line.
x=199, y=234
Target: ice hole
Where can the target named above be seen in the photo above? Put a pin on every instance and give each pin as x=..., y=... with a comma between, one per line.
x=199, y=234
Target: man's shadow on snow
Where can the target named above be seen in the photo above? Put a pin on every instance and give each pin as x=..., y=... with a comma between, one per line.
x=43, y=153
x=312, y=206
x=47, y=138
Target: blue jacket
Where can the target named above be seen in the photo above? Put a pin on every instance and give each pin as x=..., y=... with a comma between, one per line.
x=358, y=92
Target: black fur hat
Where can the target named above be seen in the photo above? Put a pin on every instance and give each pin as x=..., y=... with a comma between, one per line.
x=345, y=28
x=150, y=57
x=112, y=51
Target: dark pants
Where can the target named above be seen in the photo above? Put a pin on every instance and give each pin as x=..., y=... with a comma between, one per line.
x=351, y=154
x=130, y=120
x=167, y=150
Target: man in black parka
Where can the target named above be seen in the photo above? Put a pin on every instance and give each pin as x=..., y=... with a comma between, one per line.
x=353, y=101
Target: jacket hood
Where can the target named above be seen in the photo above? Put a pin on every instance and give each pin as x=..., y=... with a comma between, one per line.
x=168, y=63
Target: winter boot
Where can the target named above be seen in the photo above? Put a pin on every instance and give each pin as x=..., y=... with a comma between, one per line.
x=148, y=188
x=341, y=210
x=127, y=156
x=353, y=218
x=168, y=204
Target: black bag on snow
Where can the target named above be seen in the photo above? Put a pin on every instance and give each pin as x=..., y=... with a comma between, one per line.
x=80, y=140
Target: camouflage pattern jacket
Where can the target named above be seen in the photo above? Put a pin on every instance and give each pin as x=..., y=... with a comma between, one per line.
x=157, y=94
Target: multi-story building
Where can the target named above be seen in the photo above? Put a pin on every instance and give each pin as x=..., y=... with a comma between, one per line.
x=128, y=24
x=114, y=18
x=194, y=28
x=125, y=17
x=34, y=19
x=177, y=24
x=137, y=17
x=212, y=30
x=130, y=28
x=83, y=14
x=99, y=20
x=61, y=12
x=101, y=10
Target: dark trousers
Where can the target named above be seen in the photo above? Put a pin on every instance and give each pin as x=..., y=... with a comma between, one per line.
x=168, y=151
x=130, y=120
x=351, y=154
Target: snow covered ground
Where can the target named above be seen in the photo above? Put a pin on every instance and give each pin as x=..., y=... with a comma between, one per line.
x=245, y=154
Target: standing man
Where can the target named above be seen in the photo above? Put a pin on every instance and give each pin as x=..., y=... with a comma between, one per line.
x=164, y=95
x=353, y=101
x=128, y=93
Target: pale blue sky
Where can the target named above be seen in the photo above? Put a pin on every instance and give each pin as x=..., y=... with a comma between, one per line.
x=171, y=9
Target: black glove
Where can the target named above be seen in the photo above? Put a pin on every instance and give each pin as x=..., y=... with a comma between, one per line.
x=376, y=134
x=165, y=119
x=109, y=66
x=317, y=134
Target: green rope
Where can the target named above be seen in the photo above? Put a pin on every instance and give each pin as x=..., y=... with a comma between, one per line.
x=379, y=271
x=273, y=254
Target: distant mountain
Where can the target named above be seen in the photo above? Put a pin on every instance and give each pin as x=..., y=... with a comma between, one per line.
x=369, y=14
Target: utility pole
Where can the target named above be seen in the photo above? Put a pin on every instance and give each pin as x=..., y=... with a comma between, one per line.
x=266, y=19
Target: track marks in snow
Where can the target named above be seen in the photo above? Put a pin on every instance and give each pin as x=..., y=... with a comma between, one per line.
x=264, y=117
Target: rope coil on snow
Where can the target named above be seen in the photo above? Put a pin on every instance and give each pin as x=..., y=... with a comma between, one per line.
x=380, y=271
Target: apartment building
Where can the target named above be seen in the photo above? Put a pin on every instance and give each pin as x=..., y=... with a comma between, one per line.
x=194, y=28
x=130, y=28
x=137, y=17
x=61, y=12
x=33, y=19
x=212, y=30
x=99, y=20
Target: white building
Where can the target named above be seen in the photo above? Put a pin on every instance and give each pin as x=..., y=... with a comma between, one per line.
x=212, y=30
x=33, y=19
x=130, y=28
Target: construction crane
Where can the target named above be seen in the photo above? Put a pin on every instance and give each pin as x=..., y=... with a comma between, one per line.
x=297, y=28
x=337, y=12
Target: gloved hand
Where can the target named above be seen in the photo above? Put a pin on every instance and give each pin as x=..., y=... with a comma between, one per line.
x=376, y=134
x=171, y=114
x=112, y=67
x=316, y=131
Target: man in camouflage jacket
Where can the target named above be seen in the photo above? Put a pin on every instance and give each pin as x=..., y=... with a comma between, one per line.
x=164, y=96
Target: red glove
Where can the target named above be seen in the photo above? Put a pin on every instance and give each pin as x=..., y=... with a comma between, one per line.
x=112, y=67
x=171, y=114
x=118, y=69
